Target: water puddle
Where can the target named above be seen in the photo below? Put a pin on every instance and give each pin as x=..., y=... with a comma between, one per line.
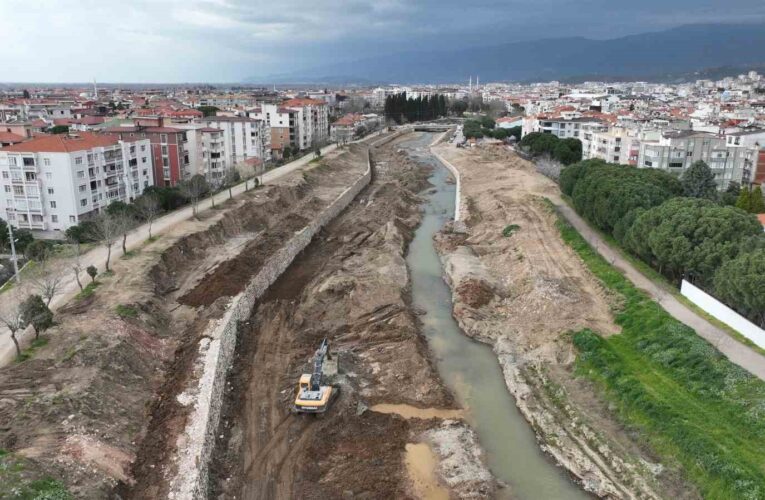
x=408, y=411
x=421, y=463
x=469, y=368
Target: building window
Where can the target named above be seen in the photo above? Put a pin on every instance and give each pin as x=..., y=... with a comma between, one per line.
x=18, y=190
x=54, y=218
x=143, y=147
x=78, y=160
x=7, y=189
x=83, y=202
x=48, y=175
x=50, y=190
x=29, y=162
x=12, y=161
x=164, y=150
x=37, y=218
x=83, y=188
x=648, y=163
x=80, y=174
x=5, y=174
x=72, y=218
x=163, y=138
x=52, y=204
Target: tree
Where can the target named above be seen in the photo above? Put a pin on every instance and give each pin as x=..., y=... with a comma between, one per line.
x=106, y=229
x=92, y=272
x=756, y=203
x=38, y=251
x=148, y=208
x=77, y=259
x=744, y=201
x=690, y=237
x=193, y=189
x=48, y=283
x=730, y=195
x=232, y=179
x=516, y=132
x=459, y=107
x=35, y=312
x=740, y=283
x=59, y=129
x=699, y=181
x=12, y=317
x=208, y=110
x=286, y=152
x=125, y=218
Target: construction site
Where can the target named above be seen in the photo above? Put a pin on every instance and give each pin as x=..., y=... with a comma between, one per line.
x=337, y=334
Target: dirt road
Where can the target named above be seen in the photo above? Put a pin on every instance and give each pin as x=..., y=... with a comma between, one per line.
x=350, y=285
x=520, y=288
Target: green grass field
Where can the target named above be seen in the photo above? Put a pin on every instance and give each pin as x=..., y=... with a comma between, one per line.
x=690, y=403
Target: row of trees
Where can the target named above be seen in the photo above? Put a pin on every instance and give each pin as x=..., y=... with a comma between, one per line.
x=682, y=227
x=567, y=151
x=403, y=109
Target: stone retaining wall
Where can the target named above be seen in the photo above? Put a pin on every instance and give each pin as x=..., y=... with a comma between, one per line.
x=196, y=444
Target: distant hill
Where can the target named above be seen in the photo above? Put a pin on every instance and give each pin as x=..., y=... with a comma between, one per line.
x=678, y=51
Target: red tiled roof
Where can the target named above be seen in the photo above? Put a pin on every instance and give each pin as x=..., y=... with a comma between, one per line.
x=10, y=138
x=62, y=143
x=302, y=102
x=761, y=218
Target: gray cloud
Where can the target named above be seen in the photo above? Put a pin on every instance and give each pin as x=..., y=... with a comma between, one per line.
x=227, y=40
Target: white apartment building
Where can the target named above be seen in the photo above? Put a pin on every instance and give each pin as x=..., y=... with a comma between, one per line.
x=611, y=144
x=52, y=182
x=243, y=137
x=675, y=151
x=312, y=121
x=566, y=125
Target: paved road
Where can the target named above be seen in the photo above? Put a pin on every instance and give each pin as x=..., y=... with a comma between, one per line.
x=138, y=236
x=737, y=352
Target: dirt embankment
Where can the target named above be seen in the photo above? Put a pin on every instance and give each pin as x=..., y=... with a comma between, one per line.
x=350, y=285
x=522, y=292
x=96, y=407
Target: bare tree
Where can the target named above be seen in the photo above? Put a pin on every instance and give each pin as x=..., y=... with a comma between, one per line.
x=149, y=208
x=125, y=222
x=231, y=180
x=193, y=189
x=12, y=316
x=48, y=284
x=76, y=264
x=106, y=230
x=549, y=167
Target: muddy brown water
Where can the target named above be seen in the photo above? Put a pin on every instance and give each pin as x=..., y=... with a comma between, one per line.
x=469, y=368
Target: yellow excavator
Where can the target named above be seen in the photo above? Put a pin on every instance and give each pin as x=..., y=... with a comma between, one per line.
x=312, y=395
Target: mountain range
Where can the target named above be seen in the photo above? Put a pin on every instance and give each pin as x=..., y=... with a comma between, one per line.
x=683, y=50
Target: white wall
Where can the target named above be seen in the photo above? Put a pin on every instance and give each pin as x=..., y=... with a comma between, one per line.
x=723, y=313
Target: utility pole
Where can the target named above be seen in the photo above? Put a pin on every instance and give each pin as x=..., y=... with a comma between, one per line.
x=13, y=254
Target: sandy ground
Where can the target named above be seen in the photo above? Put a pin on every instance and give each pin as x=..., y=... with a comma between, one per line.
x=351, y=286
x=523, y=293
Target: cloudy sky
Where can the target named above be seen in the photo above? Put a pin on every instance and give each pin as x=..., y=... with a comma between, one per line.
x=231, y=40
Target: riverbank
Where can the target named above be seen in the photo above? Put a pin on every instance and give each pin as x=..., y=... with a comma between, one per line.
x=519, y=288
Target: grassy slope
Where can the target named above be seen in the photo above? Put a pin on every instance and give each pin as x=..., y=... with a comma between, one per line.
x=692, y=404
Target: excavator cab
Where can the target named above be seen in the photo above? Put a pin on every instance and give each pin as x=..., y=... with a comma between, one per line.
x=313, y=395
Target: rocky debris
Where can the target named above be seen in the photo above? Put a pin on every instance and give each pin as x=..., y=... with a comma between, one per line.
x=461, y=463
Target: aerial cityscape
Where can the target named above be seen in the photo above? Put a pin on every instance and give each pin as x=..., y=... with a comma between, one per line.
x=357, y=250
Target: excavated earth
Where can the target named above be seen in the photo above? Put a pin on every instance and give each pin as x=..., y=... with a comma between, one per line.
x=523, y=293
x=96, y=407
x=350, y=285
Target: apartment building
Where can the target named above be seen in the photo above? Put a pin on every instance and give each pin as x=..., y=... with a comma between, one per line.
x=312, y=121
x=52, y=182
x=243, y=137
x=677, y=150
x=346, y=128
x=564, y=125
x=169, y=147
x=282, y=123
x=611, y=144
